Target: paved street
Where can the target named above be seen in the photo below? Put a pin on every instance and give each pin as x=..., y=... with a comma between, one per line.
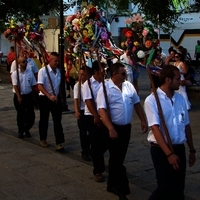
x=29, y=171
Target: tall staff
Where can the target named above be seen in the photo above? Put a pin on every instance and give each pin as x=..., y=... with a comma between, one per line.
x=158, y=101
x=17, y=67
x=103, y=85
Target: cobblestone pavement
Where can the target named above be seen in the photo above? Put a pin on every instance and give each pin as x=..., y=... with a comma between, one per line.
x=138, y=162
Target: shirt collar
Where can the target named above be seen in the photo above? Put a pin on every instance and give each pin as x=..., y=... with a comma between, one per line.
x=163, y=95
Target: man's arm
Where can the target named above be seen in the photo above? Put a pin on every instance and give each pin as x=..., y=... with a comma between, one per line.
x=107, y=122
x=172, y=158
x=188, y=133
x=76, y=108
x=91, y=107
x=141, y=115
x=44, y=91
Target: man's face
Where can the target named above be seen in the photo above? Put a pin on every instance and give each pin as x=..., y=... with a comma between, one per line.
x=175, y=82
x=82, y=76
x=121, y=74
x=54, y=61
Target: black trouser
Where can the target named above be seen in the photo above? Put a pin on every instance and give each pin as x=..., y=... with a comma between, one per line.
x=170, y=182
x=197, y=60
x=47, y=106
x=84, y=136
x=25, y=112
x=118, y=147
x=98, y=137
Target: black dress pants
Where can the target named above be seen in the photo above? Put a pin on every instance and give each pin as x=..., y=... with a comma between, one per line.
x=25, y=112
x=171, y=182
x=117, y=176
x=84, y=134
x=47, y=106
x=99, y=137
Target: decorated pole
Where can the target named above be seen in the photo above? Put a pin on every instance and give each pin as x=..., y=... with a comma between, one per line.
x=17, y=67
x=103, y=85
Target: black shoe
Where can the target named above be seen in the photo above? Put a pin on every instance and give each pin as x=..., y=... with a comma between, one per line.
x=86, y=157
x=113, y=190
x=20, y=135
x=123, y=197
x=28, y=135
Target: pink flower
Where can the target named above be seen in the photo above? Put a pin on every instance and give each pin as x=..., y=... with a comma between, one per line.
x=137, y=18
x=156, y=30
x=145, y=32
x=128, y=21
x=69, y=18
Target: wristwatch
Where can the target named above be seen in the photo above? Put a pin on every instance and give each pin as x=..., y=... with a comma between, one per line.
x=192, y=151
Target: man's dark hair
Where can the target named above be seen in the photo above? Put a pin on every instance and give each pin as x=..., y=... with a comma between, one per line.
x=115, y=68
x=54, y=54
x=96, y=67
x=13, y=48
x=167, y=71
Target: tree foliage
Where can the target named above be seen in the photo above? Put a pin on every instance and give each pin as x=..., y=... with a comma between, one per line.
x=161, y=13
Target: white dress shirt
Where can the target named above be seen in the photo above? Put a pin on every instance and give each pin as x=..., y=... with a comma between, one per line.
x=76, y=89
x=26, y=79
x=44, y=80
x=95, y=86
x=175, y=115
x=120, y=102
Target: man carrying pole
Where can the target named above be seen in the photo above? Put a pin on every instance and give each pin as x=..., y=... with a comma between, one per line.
x=121, y=99
x=169, y=159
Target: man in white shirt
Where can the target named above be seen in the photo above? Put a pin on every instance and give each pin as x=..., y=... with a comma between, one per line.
x=23, y=98
x=170, y=165
x=79, y=107
x=93, y=121
x=50, y=101
x=116, y=115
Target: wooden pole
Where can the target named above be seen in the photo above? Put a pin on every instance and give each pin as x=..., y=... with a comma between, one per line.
x=17, y=67
x=160, y=109
x=103, y=85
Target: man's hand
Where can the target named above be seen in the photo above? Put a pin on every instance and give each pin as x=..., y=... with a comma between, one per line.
x=77, y=114
x=174, y=161
x=144, y=126
x=97, y=120
x=53, y=98
x=192, y=159
x=113, y=134
x=19, y=98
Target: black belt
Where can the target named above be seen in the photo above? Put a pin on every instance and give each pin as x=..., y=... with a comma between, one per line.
x=121, y=126
x=174, y=145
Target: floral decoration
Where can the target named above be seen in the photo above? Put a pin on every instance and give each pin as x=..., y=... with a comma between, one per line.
x=34, y=30
x=15, y=31
x=139, y=36
x=88, y=29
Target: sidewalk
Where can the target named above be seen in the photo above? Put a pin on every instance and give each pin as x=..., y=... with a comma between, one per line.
x=28, y=171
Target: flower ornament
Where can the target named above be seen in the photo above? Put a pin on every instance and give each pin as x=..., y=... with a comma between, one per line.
x=140, y=54
x=15, y=31
x=93, y=28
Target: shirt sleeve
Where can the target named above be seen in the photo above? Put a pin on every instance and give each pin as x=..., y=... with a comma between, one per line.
x=76, y=87
x=151, y=112
x=14, y=78
x=41, y=76
x=101, y=103
x=13, y=67
x=86, y=91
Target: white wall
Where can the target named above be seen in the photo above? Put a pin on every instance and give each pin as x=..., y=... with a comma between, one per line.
x=51, y=39
x=5, y=45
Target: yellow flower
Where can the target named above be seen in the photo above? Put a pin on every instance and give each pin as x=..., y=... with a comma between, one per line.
x=136, y=43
